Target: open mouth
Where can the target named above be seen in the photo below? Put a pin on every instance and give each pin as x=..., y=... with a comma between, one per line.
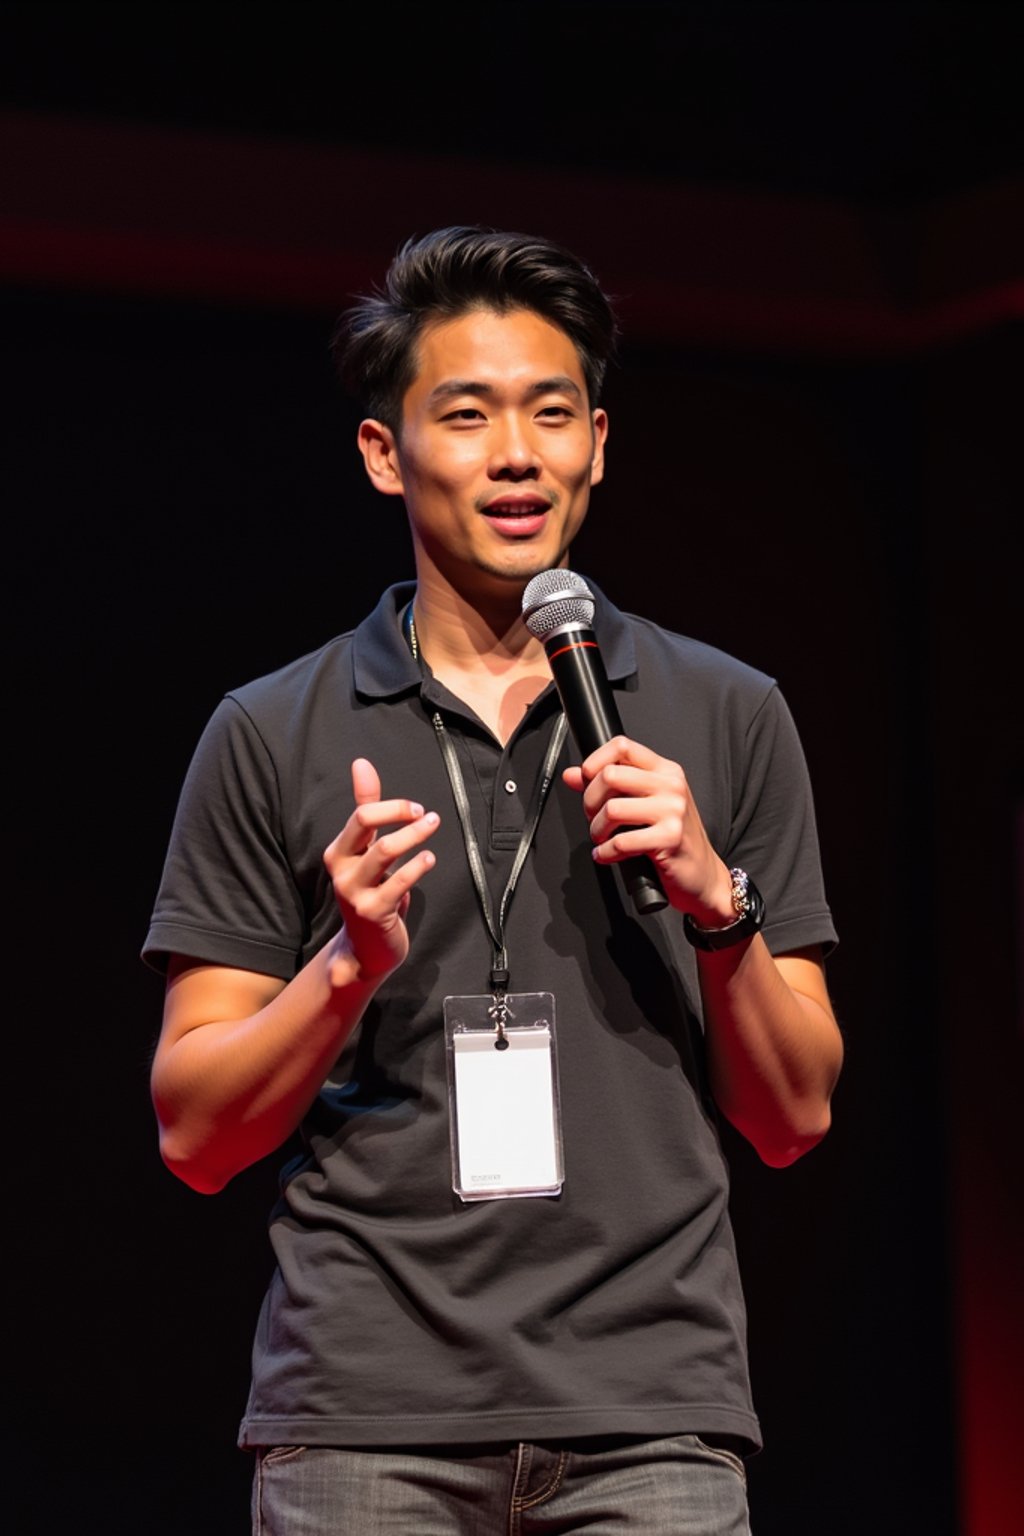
x=518, y=518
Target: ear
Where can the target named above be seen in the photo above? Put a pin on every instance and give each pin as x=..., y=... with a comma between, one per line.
x=380, y=455
x=600, y=438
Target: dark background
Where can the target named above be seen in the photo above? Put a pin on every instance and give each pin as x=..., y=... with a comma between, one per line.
x=813, y=217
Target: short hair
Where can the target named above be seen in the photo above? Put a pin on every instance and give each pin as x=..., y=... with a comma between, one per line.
x=450, y=272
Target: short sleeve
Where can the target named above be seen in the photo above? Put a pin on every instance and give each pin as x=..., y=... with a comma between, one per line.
x=227, y=894
x=773, y=835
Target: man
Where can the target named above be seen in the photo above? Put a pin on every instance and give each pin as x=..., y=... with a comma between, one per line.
x=428, y=1360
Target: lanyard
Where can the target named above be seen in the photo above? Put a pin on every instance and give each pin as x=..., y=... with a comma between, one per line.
x=499, y=977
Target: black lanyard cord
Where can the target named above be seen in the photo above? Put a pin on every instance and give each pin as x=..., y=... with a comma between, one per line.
x=499, y=969
x=499, y=977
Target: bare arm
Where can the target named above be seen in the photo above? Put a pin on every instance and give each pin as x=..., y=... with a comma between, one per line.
x=774, y=1047
x=241, y=1056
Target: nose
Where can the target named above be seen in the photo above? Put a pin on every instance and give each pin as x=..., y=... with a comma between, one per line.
x=513, y=453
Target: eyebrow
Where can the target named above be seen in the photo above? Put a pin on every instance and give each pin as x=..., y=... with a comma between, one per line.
x=559, y=383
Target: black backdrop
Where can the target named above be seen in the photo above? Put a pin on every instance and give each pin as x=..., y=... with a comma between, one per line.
x=184, y=509
x=188, y=510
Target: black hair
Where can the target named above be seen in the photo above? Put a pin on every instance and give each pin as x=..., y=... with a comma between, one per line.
x=450, y=272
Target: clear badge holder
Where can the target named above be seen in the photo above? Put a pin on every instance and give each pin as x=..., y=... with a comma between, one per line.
x=503, y=1110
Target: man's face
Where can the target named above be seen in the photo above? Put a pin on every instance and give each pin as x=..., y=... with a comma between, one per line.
x=498, y=451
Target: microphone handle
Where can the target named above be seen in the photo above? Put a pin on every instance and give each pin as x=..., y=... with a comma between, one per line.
x=593, y=717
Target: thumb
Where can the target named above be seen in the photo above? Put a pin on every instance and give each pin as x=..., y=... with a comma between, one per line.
x=365, y=782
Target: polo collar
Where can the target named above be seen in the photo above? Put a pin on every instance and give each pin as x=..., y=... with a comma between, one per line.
x=385, y=668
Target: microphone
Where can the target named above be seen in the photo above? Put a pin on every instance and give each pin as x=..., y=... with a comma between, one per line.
x=558, y=607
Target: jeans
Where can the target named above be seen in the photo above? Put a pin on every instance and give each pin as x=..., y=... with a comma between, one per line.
x=676, y=1486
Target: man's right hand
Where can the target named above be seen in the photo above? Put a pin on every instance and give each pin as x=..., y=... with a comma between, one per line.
x=373, y=895
x=242, y=1055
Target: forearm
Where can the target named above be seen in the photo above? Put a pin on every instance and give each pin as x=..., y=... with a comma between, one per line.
x=229, y=1089
x=773, y=1045
x=774, y=1048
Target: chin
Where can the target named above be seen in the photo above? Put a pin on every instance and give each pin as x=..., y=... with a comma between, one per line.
x=523, y=565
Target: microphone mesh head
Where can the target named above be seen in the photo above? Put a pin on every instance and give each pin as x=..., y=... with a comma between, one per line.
x=554, y=599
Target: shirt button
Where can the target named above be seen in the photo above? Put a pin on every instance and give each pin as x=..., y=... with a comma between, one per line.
x=510, y=786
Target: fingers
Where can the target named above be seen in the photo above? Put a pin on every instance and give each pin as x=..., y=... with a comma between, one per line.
x=371, y=813
x=373, y=898
x=378, y=833
x=622, y=764
x=371, y=892
x=358, y=838
x=639, y=803
x=636, y=801
x=621, y=749
x=663, y=784
x=638, y=825
x=378, y=859
x=374, y=901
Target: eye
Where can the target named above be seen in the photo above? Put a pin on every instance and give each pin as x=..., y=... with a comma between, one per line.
x=464, y=413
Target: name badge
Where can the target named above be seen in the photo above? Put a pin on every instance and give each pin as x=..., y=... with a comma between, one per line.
x=504, y=1117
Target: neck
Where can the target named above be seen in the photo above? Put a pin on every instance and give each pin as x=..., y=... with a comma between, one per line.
x=478, y=636
x=484, y=654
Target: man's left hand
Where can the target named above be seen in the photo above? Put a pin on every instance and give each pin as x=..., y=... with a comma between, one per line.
x=640, y=803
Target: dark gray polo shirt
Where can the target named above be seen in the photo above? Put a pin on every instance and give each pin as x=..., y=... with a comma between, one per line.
x=398, y=1314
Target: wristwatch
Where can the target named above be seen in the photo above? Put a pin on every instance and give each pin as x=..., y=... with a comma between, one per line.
x=747, y=903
